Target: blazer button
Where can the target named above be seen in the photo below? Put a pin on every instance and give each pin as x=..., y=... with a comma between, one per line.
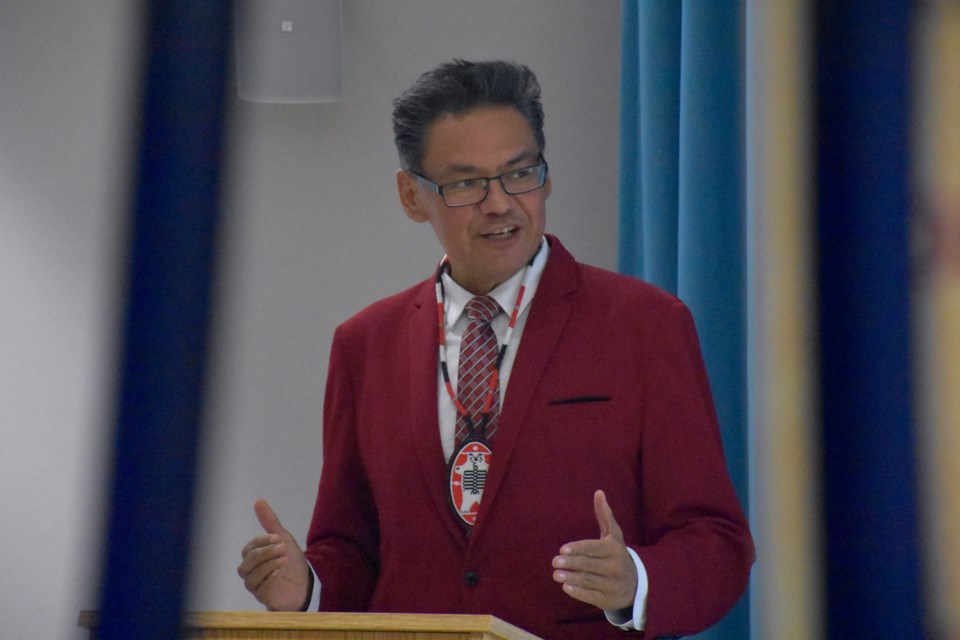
x=470, y=578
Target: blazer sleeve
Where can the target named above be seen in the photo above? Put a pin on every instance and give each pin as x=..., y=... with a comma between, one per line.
x=697, y=549
x=343, y=540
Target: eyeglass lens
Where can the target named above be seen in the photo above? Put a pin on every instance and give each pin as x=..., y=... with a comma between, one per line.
x=466, y=192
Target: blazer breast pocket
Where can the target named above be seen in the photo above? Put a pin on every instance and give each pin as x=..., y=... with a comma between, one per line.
x=588, y=407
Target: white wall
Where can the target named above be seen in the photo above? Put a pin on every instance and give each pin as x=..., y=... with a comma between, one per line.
x=312, y=233
x=64, y=111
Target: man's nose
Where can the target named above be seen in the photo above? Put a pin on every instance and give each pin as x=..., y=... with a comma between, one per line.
x=497, y=200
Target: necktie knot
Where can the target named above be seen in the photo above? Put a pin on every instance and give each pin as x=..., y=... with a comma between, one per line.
x=482, y=308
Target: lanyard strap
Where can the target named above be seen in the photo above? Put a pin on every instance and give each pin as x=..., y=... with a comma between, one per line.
x=495, y=376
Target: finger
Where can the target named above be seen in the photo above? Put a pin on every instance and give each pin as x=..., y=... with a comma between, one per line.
x=595, y=547
x=583, y=564
x=583, y=595
x=258, y=542
x=608, y=524
x=582, y=580
x=588, y=588
x=268, y=519
x=263, y=590
x=259, y=556
x=262, y=574
x=608, y=584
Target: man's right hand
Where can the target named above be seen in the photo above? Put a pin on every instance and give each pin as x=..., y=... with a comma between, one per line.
x=274, y=568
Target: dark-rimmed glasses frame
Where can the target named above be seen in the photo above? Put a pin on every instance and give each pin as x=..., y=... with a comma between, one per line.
x=441, y=189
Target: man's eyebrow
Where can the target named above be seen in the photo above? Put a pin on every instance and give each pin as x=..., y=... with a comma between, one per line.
x=460, y=168
x=524, y=156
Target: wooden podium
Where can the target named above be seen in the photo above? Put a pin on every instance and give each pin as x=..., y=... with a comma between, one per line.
x=270, y=625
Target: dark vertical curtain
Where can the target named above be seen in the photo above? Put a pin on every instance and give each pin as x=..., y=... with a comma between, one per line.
x=173, y=226
x=870, y=492
x=682, y=193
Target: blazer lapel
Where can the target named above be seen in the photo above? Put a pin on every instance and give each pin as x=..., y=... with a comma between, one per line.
x=549, y=312
x=424, y=421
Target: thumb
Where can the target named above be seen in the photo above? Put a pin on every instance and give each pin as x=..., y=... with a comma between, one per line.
x=268, y=519
x=608, y=524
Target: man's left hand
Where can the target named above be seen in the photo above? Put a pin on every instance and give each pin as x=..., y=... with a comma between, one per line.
x=599, y=572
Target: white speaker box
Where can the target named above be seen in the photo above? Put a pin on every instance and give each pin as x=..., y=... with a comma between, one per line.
x=288, y=51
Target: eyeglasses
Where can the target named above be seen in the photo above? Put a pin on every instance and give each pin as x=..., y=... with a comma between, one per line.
x=469, y=191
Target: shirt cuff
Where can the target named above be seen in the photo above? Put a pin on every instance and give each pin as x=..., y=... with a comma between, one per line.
x=632, y=618
x=314, y=604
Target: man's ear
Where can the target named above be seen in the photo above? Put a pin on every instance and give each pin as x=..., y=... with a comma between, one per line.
x=410, y=196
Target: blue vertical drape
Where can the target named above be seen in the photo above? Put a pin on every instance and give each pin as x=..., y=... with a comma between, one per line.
x=870, y=493
x=682, y=195
x=174, y=222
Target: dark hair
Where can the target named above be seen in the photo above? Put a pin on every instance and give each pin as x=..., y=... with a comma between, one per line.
x=457, y=87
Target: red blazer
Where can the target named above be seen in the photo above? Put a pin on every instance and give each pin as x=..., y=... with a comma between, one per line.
x=608, y=391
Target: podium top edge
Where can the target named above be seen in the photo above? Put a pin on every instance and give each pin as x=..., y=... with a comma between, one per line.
x=308, y=621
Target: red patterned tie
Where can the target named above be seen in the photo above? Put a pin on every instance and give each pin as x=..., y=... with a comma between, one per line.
x=478, y=353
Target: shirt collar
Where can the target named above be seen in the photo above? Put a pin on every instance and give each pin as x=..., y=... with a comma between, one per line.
x=456, y=297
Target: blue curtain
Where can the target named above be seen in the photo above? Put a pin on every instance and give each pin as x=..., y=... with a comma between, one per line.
x=174, y=219
x=682, y=194
x=863, y=200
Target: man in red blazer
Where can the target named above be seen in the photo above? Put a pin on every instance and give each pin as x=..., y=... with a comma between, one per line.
x=587, y=492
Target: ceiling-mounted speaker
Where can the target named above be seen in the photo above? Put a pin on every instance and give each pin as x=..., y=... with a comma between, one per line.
x=288, y=51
